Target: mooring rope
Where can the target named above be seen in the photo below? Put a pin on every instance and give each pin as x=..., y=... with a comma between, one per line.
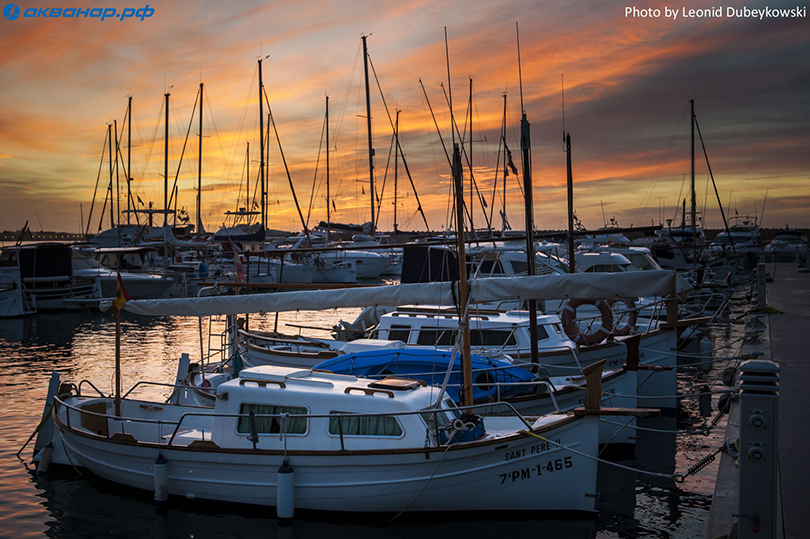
x=677, y=477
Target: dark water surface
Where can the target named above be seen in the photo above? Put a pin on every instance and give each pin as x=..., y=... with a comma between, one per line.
x=67, y=504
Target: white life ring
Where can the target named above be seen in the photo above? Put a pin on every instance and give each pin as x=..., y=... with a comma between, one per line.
x=631, y=318
x=571, y=327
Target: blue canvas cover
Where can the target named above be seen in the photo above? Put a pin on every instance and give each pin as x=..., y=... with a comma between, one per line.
x=492, y=378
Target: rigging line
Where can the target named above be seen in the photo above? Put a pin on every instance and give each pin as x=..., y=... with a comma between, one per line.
x=391, y=149
x=711, y=175
x=183, y=151
x=498, y=162
x=645, y=201
x=441, y=139
x=472, y=176
x=678, y=205
x=344, y=105
x=315, y=176
x=95, y=189
x=151, y=146
x=284, y=160
x=229, y=163
x=448, y=100
x=399, y=146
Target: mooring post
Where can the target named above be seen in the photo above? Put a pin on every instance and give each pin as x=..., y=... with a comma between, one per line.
x=758, y=458
x=762, y=290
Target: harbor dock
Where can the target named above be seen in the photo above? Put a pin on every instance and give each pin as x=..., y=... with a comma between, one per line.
x=779, y=327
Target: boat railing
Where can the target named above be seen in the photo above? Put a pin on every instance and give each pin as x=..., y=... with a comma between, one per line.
x=89, y=383
x=115, y=427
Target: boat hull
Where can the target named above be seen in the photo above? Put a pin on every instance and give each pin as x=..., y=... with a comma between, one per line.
x=510, y=473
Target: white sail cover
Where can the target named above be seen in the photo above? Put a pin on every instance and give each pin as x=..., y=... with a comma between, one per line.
x=624, y=285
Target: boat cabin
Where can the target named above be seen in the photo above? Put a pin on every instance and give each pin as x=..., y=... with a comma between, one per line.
x=326, y=411
x=492, y=332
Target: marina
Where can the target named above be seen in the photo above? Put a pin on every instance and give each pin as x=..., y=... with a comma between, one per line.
x=644, y=497
x=323, y=294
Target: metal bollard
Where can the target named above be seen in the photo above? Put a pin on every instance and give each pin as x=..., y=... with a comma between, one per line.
x=762, y=290
x=759, y=429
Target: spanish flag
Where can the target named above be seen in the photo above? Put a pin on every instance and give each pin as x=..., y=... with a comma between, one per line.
x=121, y=296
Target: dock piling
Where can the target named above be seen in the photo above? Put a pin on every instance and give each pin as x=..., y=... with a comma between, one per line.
x=758, y=457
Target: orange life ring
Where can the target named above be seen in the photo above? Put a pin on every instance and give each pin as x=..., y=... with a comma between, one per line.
x=571, y=327
x=632, y=317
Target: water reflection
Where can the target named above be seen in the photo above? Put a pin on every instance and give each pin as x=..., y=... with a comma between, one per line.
x=84, y=506
x=67, y=505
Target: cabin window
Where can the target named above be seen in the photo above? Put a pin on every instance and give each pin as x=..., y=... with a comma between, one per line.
x=519, y=267
x=399, y=333
x=542, y=334
x=605, y=268
x=491, y=337
x=359, y=425
x=490, y=267
x=8, y=258
x=272, y=425
x=436, y=337
x=478, y=337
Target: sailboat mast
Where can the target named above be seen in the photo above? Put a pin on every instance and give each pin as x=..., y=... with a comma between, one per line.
x=505, y=164
x=328, y=194
x=694, y=210
x=470, y=154
x=117, y=181
x=396, y=171
x=166, y=165
x=368, y=128
x=261, y=141
x=110, y=188
x=129, y=158
x=525, y=146
x=199, y=169
x=570, y=181
x=464, y=322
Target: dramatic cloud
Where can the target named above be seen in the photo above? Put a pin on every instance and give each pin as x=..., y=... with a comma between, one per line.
x=627, y=83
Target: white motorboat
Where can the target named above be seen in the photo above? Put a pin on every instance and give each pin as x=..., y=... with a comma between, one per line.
x=138, y=284
x=15, y=300
x=45, y=271
x=788, y=245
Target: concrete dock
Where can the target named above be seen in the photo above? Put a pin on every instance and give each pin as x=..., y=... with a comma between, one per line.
x=784, y=339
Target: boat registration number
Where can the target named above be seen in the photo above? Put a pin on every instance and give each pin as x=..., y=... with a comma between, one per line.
x=551, y=466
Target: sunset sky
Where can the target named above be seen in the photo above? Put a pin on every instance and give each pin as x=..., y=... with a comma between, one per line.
x=627, y=84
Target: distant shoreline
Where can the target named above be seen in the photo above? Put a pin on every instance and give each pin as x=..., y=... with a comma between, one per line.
x=42, y=236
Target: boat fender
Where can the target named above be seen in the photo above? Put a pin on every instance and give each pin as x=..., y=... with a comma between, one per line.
x=724, y=402
x=571, y=328
x=631, y=317
x=44, y=459
x=285, y=491
x=728, y=376
x=706, y=353
x=161, y=479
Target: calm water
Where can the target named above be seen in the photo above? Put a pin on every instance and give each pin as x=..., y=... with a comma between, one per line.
x=66, y=504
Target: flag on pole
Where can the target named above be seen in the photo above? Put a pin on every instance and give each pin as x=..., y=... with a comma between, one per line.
x=121, y=296
x=509, y=161
x=139, y=200
x=240, y=269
